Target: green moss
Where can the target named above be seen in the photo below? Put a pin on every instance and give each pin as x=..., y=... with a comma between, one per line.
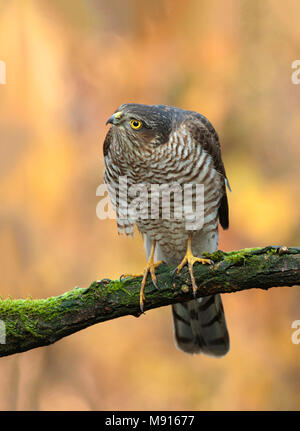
x=233, y=257
x=217, y=256
x=239, y=257
x=22, y=315
x=12, y=328
x=115, y=286
x=272, y=251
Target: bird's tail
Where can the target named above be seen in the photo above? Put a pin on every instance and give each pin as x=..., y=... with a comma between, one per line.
x=200, y=326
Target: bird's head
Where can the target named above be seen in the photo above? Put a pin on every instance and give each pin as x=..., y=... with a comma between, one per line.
x=141, y=125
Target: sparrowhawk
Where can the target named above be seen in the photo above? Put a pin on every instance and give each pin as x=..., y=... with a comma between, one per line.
x=163, y=145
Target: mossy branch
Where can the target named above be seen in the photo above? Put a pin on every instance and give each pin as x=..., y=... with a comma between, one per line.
x=31, y=323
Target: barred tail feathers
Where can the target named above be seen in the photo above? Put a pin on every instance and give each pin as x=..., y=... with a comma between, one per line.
x=199, y=325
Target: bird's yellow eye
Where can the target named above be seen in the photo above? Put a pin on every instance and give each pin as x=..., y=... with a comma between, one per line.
x=135, y=124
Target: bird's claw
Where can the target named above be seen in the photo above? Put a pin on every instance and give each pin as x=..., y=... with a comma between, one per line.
x=189, y=260
x=125, y=276
x=149, y=268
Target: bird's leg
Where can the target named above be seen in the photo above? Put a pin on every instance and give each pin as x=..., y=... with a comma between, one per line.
x=189, y=259
x=150, y=267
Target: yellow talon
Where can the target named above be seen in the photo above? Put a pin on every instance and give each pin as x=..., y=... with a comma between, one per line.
x=189, y=259
x=149, y=268
x=126, y=275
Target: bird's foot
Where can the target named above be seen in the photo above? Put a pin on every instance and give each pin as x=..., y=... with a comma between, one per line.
x=189, y=260
x=149, y=268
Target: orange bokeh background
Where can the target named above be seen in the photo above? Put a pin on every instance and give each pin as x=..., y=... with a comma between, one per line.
x=69, y=65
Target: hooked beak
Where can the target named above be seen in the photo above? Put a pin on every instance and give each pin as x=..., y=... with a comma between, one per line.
x=115, y=118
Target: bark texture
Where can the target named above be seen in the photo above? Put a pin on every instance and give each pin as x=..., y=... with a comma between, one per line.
x=29, y=323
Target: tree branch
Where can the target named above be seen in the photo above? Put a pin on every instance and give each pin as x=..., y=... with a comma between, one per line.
x=31, y=323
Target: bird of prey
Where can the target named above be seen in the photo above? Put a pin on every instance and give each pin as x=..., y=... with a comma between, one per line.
x=164, y=145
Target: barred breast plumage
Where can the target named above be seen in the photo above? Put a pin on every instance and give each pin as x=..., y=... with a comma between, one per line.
x=179, y=147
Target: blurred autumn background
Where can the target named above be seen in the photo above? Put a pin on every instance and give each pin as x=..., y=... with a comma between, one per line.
x=69, y=65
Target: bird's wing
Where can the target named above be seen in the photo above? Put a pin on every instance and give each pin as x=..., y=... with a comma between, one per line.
x=204, y=133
